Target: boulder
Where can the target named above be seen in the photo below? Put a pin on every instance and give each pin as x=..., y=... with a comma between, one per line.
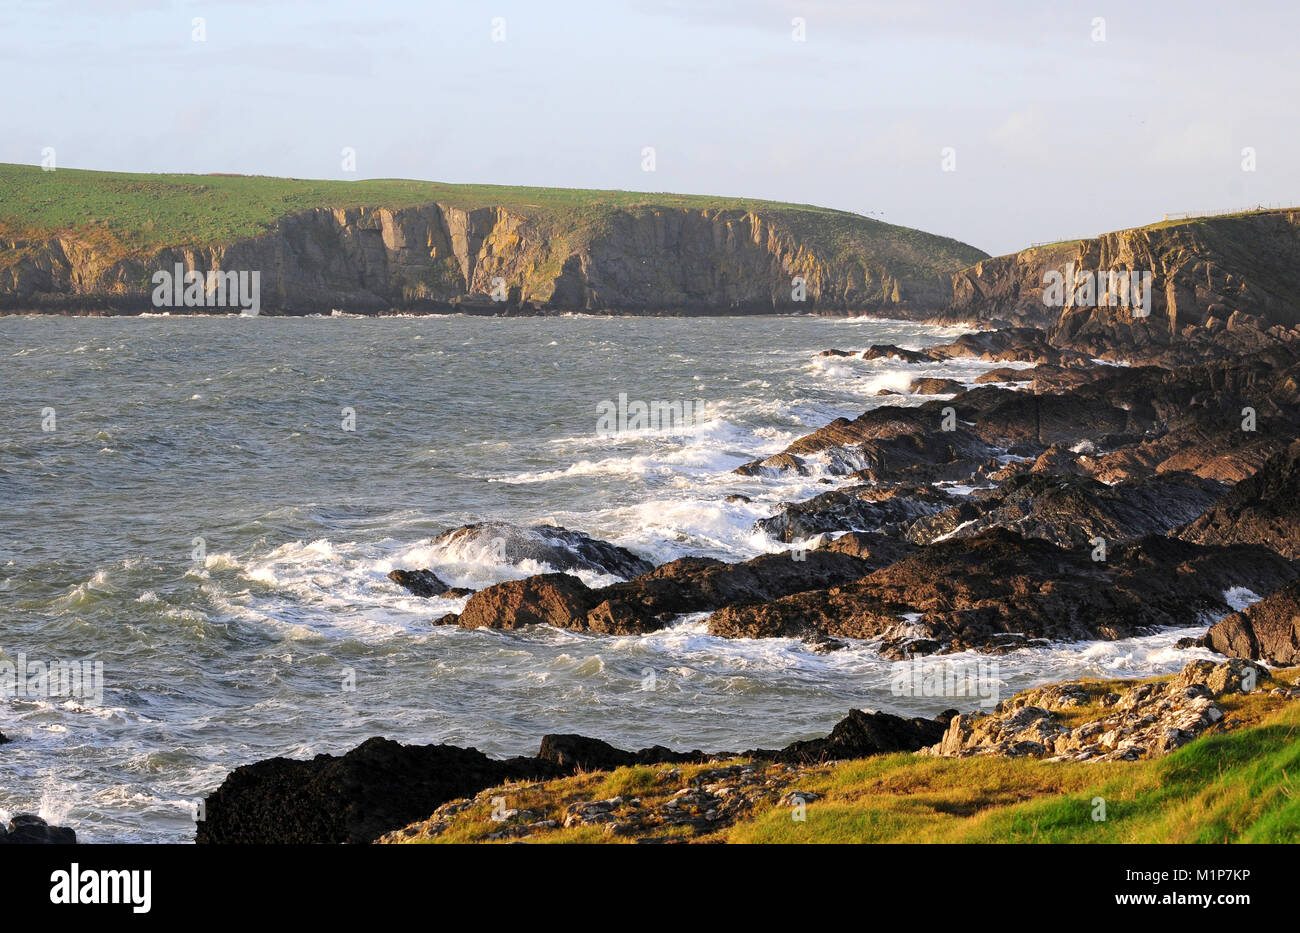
x=861, y=734
x=425, y=583
x=558, y=548
x=935, y=386
x=377, y=787
x=1267, y=631
x=558, y=599
x=29, y=829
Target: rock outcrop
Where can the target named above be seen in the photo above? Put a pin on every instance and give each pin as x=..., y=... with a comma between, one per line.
x=1073, y=511
x=1219, y=286
x=1145, y=721
x=1261, y=509
x=999, y=591
x=651, y=600
x=854, y=508
x=354, y=798
x=1267, y=631
x=558, y=548
x=862, y=734
x=29, y=829
x=382, y=785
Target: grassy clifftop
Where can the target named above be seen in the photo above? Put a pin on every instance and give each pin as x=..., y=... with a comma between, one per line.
x=131, y=214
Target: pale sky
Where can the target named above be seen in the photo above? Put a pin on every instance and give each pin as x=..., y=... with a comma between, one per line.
x=1055, y=135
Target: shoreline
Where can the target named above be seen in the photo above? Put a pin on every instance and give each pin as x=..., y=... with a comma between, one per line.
x=1031, y=567
x=889, y=464
x=377, y=791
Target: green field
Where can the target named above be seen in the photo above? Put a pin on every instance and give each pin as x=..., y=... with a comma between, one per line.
x=127, y=213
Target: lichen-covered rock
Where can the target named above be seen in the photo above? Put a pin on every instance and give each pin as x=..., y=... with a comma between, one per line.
x=1146, y=721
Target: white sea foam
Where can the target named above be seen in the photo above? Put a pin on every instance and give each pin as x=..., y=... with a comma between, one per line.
x=237, y=657
x=1239, y=597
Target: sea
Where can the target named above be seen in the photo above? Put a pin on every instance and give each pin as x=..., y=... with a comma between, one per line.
x=198, y=514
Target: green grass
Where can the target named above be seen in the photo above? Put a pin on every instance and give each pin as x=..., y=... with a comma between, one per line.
x=1233, y=787
x=127, y=213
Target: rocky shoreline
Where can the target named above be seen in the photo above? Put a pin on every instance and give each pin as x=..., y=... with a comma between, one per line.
x=1109, y=475
x=386, y=792
x=1074, y=500
x=1115, y=502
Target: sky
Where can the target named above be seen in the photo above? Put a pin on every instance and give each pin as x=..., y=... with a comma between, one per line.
x=1000, y=124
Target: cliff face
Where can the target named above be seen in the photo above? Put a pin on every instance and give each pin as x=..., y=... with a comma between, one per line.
x=1238, y=274
x=495, y=259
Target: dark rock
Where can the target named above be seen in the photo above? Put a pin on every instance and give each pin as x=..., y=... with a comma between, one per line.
x=859, y=508
x=558, y=599
x=381, y=786
x=1070, y=511
x=695, y=584
x=773, y=466
x=558, y=548
x=377, y=787
x=903, y=443
x=934, y=386
x=650, y=601
x=991, y=591
x=1262, y=509
x=423, y=583
x=860, y=735
x=579, y=753
x=29, y=829
x=1267, y=631
x=889, y=351
x=824, y=644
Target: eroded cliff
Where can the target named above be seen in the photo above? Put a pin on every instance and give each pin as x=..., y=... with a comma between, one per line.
x=1235, y=279
x=539, y=249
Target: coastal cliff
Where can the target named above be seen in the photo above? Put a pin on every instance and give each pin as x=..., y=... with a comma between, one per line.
x=1230, y=278
x=91, y=241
